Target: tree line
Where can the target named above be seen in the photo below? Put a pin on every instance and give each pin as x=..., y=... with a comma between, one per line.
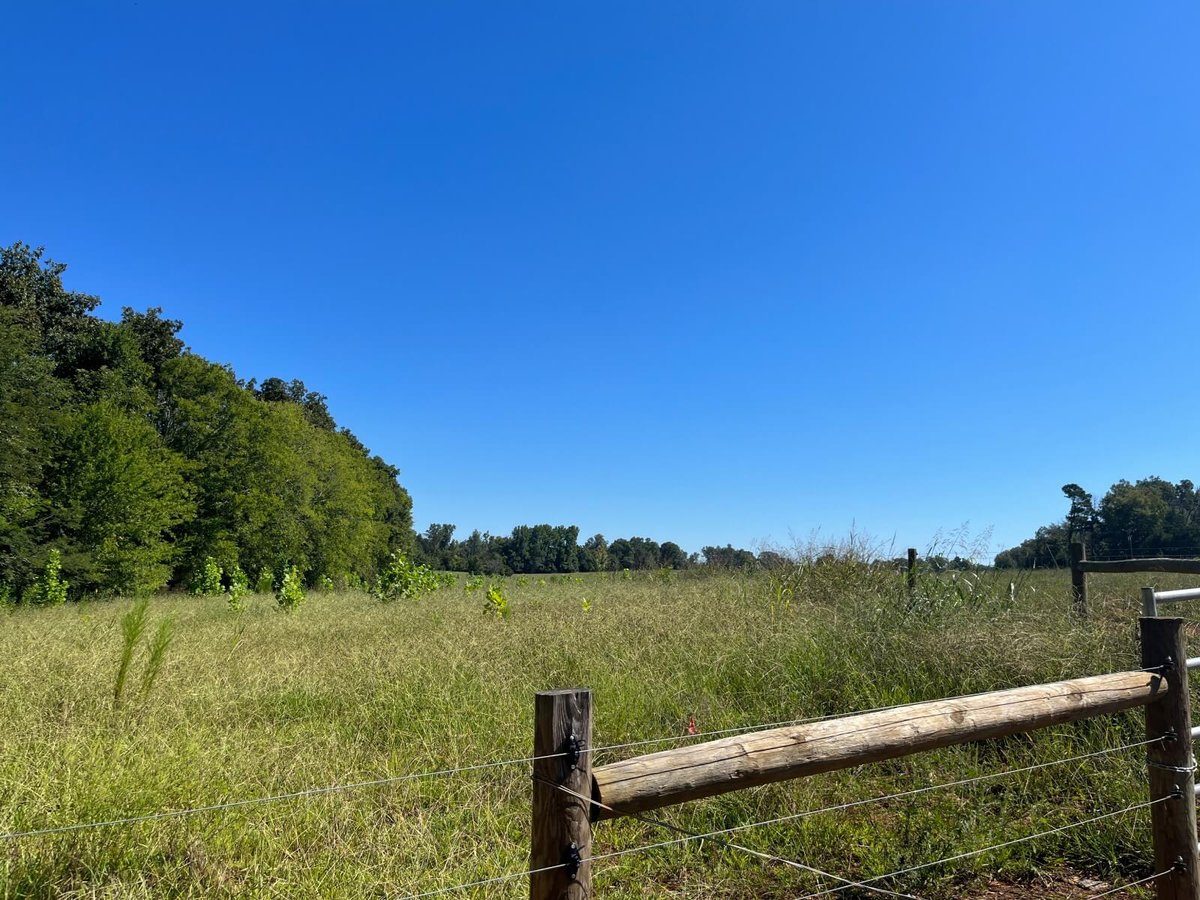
x=136, y=460
x=535, y=549
x=1148, y=517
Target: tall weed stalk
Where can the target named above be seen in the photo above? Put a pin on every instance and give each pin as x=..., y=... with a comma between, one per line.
x=157, y=655
x=133, y=626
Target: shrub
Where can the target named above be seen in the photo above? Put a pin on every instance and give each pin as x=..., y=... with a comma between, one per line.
x=239, y=586
x=50, y=589
x=325, y=583
x=496, y=603
x=291, y=590
x=403, y=579
x=207, y=582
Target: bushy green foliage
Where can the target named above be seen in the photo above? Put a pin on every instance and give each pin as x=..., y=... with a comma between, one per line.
x=473, y=583
x=207, y=581
x=1148, y=517
x=290, y=594
x=402, y=579
x=496, y=603
x=140, y=460
x=50, y=589
x=116, y=496
x=325, y=583
x=239, y=586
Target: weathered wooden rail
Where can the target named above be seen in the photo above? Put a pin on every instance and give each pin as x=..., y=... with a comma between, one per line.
x=1081, y=566
x=570, y=795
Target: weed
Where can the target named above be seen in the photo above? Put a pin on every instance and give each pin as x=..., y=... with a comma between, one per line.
x=239, y=585
x=403, y=579
x=207, y=582
x=157, y=655
x=50, y=589
x=496, y=603
x=291, y=590
x=133, y=625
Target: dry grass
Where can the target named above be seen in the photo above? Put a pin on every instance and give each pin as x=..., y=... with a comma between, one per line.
x=347, y=689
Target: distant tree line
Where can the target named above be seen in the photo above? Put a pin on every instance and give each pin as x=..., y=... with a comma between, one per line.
x=1149, y=517
x=137, y=460
x=532, y=549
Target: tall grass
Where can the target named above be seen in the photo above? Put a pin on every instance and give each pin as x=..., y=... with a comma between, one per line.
x=348, y=689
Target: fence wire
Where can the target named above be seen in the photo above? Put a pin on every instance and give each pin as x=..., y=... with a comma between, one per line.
x=1000, y=846
x=324, y=790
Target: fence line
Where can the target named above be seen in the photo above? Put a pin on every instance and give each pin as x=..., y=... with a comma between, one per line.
x=562, y=828
x=398, y=779
x=562, y=765
x=1081, y=565
x=851, y=804
x=717, y=835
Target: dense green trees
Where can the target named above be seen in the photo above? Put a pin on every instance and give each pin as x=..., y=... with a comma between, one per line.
x=1149, y=517
x=138, y=460
x=135, y=461
x=556, y=549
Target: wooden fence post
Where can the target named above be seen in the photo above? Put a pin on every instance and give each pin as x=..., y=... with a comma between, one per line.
x=911, y=576
x=1079, y=577
x=562, y=828
x=1171, y=764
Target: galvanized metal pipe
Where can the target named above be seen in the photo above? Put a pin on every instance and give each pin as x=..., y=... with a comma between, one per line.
x=1177, y=596
x=1193, y=662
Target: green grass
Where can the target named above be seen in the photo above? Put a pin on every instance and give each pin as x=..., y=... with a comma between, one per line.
x=346, y=689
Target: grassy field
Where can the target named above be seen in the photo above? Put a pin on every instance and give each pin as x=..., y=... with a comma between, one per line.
x=347, y=689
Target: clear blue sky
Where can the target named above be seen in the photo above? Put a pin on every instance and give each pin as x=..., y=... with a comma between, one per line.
x=704, y=273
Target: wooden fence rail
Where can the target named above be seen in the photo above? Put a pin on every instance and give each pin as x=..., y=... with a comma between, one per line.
x=562, y=819
x=1081, y=566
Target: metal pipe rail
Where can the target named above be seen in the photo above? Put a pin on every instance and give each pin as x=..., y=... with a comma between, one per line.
x=1151, y=598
